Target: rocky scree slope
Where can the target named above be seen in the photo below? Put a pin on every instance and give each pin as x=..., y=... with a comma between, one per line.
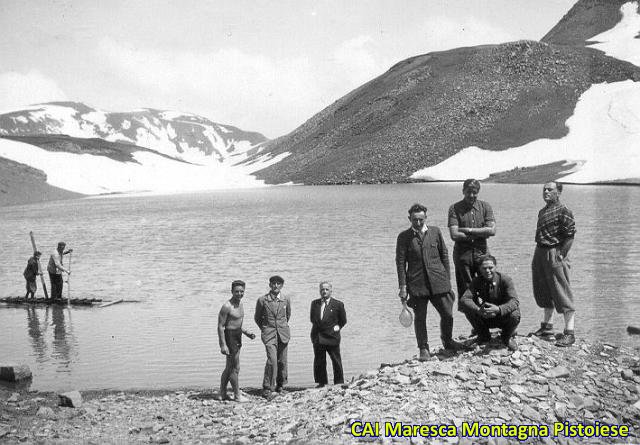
x=539, y=384
x=427, y=108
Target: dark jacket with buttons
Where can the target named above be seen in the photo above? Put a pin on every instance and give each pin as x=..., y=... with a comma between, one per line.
x=272, y=316
x=423, y=264
x=499, y=291
x=323, y=329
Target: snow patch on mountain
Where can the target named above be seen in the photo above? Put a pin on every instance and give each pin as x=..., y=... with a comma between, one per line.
x=186, y=136
x=603, y=139
x=89, y=174
x=621, y=41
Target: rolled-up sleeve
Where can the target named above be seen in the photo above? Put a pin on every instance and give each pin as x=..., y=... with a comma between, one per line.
x=488, y=213
x=452, y=218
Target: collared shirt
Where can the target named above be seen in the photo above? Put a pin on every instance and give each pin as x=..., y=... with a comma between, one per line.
x=422, y=232
x=275, y=297
x=323, y=306
x=55, y=265
x=555, y=225
x=479, y=215
x=499, y=291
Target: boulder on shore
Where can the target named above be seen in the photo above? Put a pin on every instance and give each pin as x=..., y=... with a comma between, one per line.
x=71, y=399
x=14, y=373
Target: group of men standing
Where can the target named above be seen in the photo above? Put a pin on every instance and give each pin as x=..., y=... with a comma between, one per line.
x=55, y=268
x=272, y=314
x=486, y=297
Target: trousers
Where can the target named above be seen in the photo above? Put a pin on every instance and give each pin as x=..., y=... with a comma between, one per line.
x=320, y=363
x=275, y=370
x=56, y=286
x=507, y=323
x=444, y=305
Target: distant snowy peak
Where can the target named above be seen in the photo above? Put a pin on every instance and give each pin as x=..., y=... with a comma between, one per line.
x=186, y=136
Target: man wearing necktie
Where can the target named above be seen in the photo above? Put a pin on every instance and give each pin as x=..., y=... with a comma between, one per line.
x=490, y=301
x=273, y=311
x=328, y=317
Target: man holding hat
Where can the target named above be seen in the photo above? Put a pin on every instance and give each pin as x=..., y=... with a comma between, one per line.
x=273, y=311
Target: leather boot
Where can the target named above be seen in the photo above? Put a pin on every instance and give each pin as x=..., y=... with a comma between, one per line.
x=424, y=354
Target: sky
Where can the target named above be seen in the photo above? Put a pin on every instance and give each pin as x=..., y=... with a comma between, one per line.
x=260, y=65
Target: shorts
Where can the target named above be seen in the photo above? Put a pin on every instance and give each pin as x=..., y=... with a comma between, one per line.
x=550, y=275
x=233, y=337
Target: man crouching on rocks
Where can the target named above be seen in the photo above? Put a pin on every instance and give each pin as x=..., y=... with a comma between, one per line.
x=230, y=337
x=491, y=302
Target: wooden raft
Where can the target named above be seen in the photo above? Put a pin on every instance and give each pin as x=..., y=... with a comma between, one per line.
x=48, y=301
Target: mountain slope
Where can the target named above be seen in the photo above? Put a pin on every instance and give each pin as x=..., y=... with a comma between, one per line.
x=144, y=171
x=428, y=108
x=182, y=135
x=21, y=184
x=584, y=20
x=80, y=149
x=94, y=146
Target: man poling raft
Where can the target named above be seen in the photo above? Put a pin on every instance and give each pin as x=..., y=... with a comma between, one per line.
x=56, y=269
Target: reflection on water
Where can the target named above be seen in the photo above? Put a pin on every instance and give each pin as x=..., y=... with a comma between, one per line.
x=52, y=339
x=178, y=254
x=62, y=338
x=36, y=333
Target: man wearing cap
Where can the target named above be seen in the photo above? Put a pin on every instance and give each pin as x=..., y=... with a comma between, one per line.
x=273, y=311
x=470, y=222
x=56, y=268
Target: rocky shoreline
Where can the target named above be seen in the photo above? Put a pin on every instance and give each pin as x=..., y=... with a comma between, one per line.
x=574, y=392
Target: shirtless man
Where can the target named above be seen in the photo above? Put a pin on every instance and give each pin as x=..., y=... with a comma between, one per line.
x=230, y=336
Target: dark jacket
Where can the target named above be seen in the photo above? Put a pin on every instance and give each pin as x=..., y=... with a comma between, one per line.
x=323, y=329
x=423, y=265
x=500, y=291
x=272, y=317
x=31, y=271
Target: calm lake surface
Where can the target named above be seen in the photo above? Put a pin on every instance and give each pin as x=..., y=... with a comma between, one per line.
x=178, y=254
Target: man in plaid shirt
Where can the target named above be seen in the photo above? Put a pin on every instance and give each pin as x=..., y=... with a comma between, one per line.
x=550, y=267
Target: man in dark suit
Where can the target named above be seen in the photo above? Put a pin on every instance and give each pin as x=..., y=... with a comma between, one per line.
x=422, y=264
x=328, y=317
x=491, y=301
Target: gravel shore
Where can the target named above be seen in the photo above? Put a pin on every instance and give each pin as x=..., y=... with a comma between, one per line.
x=575, y=393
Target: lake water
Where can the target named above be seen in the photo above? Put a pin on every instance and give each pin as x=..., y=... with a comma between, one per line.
x=178, y=254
